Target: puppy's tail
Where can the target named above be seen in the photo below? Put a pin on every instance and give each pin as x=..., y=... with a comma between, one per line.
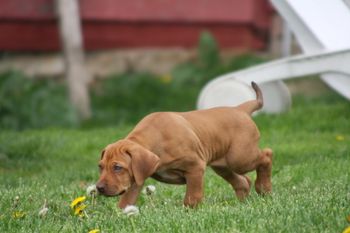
x=253, y=105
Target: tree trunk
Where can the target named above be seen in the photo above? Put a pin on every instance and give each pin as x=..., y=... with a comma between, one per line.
x=76, y=72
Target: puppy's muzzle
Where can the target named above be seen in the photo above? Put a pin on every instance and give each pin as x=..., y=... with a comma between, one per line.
x=101, y=188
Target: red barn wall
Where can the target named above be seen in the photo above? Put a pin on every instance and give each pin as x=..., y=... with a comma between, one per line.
x=32, y=25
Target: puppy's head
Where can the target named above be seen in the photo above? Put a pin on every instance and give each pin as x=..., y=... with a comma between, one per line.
x=122, y=164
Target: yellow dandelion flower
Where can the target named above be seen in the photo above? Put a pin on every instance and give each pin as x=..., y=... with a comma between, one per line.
x=79, y=210
x=77, y=201
x=166, y=78
x=94, y=231
x=18, y=214
x=347, y=230
x=339, y=138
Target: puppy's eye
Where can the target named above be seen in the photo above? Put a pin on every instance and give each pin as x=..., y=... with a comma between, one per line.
x=117, y=168
x=100, y=167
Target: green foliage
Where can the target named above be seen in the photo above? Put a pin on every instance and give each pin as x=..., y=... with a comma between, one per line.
x=208, y=51
x=310, y=180
x=126, y=98
x=242, y=61
x=26, y=103
x=119, y=99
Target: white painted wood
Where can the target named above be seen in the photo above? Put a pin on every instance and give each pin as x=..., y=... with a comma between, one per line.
x=322, y=29
x=320, y=26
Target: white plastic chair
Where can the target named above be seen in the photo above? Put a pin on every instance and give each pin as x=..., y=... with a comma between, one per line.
x=322, y=28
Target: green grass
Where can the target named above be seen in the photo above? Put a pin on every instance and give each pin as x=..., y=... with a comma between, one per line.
x=311, y=183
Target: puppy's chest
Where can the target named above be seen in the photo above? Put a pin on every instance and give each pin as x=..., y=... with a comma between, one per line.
x=170, y=176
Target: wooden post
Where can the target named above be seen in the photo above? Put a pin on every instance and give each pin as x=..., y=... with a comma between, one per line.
x=76, y=72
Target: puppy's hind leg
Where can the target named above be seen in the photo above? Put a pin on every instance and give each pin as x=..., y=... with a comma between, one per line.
x=263, y=183
x=240, y=183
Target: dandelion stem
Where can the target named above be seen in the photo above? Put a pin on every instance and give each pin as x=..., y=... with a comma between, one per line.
x=151, y=201
x=93, y=201
x=133, y=225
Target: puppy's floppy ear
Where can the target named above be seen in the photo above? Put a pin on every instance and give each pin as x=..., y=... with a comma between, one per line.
x=143, y=163
x=102, y=154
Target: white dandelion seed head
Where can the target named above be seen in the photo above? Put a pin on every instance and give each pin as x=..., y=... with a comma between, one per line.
x=91, y=190
x=130, y=210
x=43, y=211
x=149, y=190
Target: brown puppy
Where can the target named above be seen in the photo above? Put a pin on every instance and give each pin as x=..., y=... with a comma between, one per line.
x=175, y=148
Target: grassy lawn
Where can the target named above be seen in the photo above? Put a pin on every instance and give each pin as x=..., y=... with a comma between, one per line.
x=311, y=182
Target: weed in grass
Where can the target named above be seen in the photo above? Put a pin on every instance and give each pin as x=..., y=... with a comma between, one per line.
x=26, y=103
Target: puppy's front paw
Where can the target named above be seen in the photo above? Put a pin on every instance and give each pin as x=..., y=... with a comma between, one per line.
x=192, y=201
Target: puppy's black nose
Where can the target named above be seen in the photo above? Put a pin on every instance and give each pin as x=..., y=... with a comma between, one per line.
x=100, y=187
